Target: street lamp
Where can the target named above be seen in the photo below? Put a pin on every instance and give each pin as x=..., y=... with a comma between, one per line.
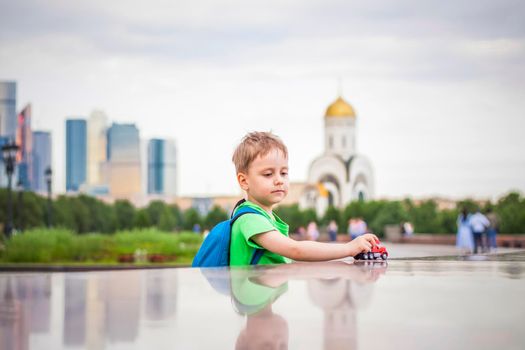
x=9, y=151
x=20, y=209
x=48, y=173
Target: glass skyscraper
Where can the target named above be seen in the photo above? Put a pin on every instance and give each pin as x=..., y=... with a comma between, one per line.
x=7, y=121
x=41, y=159
x=3, y=177
x=161, y=167
x=24, y=140
x=76, y=153
x=123, y=166
x=8, y=109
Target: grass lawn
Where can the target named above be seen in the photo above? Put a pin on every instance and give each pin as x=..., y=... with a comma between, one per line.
x=61, y=247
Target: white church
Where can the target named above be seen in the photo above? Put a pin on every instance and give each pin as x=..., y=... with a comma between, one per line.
x=339, y=175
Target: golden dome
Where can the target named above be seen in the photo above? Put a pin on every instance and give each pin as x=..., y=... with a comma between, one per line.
x=340, y=108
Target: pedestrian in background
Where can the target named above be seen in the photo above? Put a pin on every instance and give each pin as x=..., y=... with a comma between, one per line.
x=479, y=224
x=332, y=231
x=312, y=232
x=464, y=237
x=493, y=229
x=407, y=229
x=357, y=227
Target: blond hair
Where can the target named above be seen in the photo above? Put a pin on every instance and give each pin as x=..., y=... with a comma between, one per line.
x=254, y=144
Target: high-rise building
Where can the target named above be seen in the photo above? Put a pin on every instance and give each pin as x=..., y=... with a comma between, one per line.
x=97, y=145
x=123, y=166
x=3, y=177
x=41, y=159
x=8, y=109
x=162, y=167
x=24, y=140
x=7, y=120
x=76, y=153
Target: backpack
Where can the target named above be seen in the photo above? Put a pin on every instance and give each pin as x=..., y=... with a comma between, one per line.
x=215, y=250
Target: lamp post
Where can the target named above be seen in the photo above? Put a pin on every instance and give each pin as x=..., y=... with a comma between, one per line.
x=9, y=156
x=49, y=176
x=20, y=209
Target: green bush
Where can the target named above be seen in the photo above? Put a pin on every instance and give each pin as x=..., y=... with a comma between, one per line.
x=93, y=247
x=61, y=245
x=511, y=211
x=391, y=213
x=40, y=245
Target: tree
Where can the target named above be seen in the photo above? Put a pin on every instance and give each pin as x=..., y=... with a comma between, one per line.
x=425, y=217
x=366, y=210
x=142, y=219
x=470, y=205
x=33, y=205
x=390, y=213
x=125, y=214
x=33, y=213
x=511, y=212
x=167, y=221
x=332, y=213
x=179, y=218
x=72, y=213
x=154, y=211
x=292, y=215
x=63, y=213
x=215, y=215
x=191, y=217
x=448, y=220
x=101, y=215
x=81, y=215
x=309, y=215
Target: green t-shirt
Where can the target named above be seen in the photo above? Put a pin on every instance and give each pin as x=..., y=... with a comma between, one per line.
x=248, y=294
x=242, y=246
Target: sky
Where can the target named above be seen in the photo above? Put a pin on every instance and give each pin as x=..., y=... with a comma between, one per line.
x=438, y=87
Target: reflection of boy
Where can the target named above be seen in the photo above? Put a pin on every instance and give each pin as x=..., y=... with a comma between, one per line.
x=253, y=297
x=264, y=330
x=252, y=293
x=261, y=163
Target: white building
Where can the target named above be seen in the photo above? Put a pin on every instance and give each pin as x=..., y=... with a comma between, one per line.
x=340, y=175
x=96, y=147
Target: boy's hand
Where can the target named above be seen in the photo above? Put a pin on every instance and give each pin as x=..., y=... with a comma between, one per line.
x=362, y=244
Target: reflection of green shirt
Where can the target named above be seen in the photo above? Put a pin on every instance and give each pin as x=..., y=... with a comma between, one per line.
x=242, y=246
x=249, y=296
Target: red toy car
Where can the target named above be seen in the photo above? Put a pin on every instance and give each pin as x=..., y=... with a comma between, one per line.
x=377, y=252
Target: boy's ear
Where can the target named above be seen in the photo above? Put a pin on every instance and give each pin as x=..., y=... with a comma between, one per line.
x=242, y=179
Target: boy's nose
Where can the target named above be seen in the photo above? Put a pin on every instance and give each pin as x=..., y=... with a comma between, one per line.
x=278, y=179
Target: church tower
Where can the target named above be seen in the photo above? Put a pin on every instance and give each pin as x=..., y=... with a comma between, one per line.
x=340, y=174
x=339, y=124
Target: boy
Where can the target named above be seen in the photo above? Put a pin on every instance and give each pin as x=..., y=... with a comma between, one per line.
x=261, y=163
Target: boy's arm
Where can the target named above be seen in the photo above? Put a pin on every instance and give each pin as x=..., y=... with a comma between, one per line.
x=311, y=250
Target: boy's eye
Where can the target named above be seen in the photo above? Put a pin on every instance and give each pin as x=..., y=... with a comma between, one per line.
x=284, y=173
x=267, y=174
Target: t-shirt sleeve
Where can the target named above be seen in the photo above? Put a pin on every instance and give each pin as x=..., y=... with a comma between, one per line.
x=252, y=224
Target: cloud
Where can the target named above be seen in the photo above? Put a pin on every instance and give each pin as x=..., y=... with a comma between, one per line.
x=424, y=69
x=381, y=39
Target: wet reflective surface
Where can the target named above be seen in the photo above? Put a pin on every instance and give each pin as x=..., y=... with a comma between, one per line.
x=407, y=304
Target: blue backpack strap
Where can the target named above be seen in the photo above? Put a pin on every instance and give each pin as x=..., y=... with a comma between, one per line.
x=258, y=253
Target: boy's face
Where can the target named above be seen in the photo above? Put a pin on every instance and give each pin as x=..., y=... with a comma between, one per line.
x=268, y=331
x=266, y=182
